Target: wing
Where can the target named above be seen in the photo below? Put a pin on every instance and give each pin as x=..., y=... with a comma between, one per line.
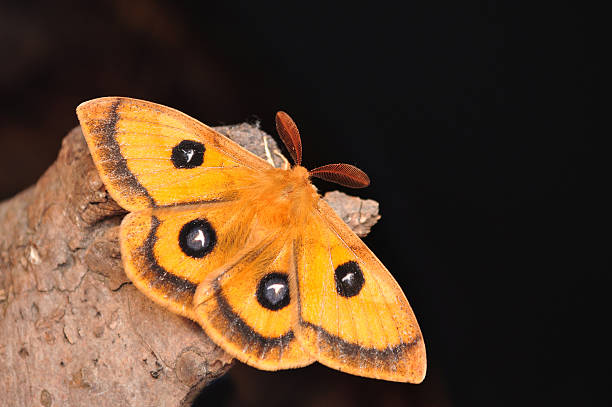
x=149, y=155
x=352, y=315
x=168, y=251
x=248, y=307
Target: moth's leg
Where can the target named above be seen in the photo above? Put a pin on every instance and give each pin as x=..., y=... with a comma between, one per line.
x=268, y=155
x=285, y=161
x=286, y=164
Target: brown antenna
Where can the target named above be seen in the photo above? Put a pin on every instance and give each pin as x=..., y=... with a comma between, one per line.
x=289, y=133
x=343, y=174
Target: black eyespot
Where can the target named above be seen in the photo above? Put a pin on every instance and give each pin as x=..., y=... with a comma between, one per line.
x=188, y=154
x=349, y=279
x=273, y=291
x=197, y=238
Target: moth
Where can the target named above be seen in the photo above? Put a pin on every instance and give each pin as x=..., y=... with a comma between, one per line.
x=249, y=251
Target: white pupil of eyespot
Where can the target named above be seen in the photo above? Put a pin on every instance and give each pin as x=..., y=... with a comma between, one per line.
x=348, y=277
x=276, y=287
x=189, y=153
x=199, y=237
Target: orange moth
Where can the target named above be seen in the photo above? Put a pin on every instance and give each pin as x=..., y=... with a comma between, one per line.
x=249, y=251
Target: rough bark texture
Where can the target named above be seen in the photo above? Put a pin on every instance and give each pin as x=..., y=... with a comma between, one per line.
x=73, y=330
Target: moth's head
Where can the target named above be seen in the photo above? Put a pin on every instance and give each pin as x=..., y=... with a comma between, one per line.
x=343, y=174
x=301, y=177
x=300, y=172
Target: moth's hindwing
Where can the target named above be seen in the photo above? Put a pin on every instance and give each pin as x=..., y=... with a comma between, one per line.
x=249, y=308
x=167, y=252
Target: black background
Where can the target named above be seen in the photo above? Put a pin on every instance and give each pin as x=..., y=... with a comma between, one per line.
x=475, y=121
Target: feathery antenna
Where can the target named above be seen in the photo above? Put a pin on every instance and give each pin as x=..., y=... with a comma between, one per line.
x=343, y=174
x=289, y=133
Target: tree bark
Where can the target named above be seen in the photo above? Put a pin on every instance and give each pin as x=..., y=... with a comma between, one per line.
x=73, y=329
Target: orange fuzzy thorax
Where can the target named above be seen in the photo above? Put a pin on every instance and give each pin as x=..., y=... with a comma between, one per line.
x=281, y=198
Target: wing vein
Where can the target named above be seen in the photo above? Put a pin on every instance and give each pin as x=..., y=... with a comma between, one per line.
x=331, y=263
x=147, y=134
x=202, y=172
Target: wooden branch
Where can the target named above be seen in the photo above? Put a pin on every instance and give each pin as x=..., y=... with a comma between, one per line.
x=73, y=329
